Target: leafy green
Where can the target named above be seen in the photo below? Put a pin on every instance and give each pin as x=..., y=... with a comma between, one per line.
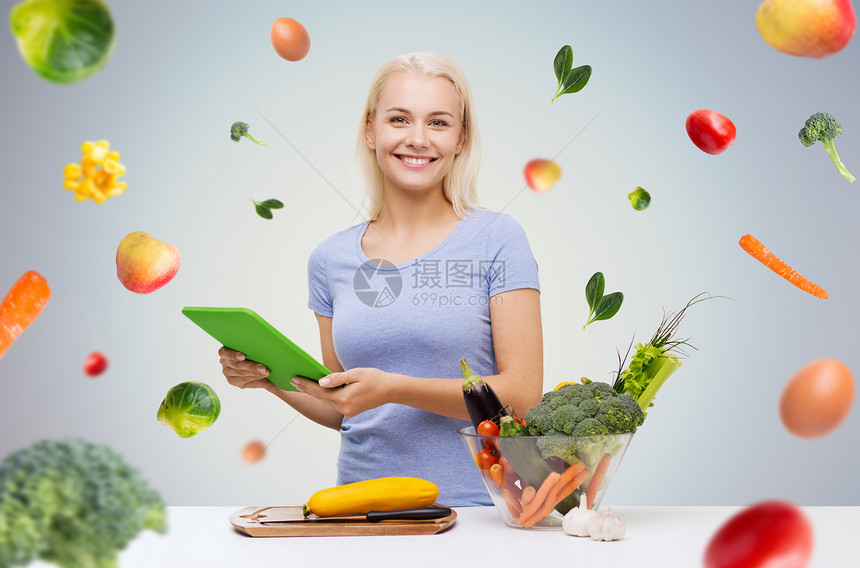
x=569, y=80
x=189, y=408
x=74, y=504
x=63, y=41
x=601, y=307
x=639, y=199
x=654, y=362
x=264, y=208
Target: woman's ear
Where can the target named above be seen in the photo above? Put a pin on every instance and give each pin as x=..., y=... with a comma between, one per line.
x=368, y=135
x=461, y=141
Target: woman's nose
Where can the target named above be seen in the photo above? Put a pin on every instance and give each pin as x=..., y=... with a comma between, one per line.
x=417, y=137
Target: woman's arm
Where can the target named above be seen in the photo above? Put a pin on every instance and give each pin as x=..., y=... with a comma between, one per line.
x=518, y=344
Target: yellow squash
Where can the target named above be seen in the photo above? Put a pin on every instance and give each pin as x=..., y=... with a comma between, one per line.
x=383, y=494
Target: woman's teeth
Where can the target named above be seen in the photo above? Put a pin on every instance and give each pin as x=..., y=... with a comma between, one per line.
x=416, y=161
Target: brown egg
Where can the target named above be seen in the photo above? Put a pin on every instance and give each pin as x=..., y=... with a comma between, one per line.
x=254, y=451
x=290, y=39
x=817, y=399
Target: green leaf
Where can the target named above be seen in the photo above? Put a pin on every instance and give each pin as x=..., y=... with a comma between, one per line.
x=608, y=306
x=562, y=64
x=594, y=291
x=576, y=80
x=263, y=211
x=272, y=204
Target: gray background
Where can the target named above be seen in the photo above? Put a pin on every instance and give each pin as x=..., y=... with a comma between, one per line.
x=182, y=72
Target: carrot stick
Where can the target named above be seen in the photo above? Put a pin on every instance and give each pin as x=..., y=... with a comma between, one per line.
x=514, y=507
x=758, y=251
x=511, y=477
x=540, y=497
x=21, y=306
x=497, y=475
x=597, y=479
x=528, y=495
x=567, y=484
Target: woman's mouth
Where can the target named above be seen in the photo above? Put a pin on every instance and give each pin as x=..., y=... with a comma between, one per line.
x=416, y=162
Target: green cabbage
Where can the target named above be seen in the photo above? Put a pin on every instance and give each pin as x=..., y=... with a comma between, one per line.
x=63, y=41
x=189, y=408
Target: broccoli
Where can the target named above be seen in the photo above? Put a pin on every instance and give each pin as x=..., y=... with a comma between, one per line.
x=72, y=503
x=240, y=129
x=591, y=409
x=580, y=410
x=823, y=127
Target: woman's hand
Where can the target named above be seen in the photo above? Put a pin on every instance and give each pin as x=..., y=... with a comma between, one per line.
x=241, y=373
x=350, y=392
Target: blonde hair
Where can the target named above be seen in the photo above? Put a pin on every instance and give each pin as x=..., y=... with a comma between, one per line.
x=460, y=185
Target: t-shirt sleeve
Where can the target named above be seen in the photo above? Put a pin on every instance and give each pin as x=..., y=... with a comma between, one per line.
x=319, y=294
x=512, y=264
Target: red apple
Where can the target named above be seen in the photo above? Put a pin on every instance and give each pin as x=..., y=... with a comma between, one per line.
x=808, y=28
x=541, y=174
x=144, y=264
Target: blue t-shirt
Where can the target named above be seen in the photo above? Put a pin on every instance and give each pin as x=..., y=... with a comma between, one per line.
x=418, y=318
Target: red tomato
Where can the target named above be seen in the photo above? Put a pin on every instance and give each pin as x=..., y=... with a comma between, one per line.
x=488, y=428
x=486, y=459
x=95, y=364
x=710, y=131
x=772, y=533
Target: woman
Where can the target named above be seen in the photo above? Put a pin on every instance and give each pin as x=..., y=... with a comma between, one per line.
x=432, y=278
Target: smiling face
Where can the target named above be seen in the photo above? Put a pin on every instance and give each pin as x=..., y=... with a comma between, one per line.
x=416, y=131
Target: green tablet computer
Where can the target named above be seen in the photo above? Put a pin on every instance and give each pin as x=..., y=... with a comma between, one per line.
x=243, y=330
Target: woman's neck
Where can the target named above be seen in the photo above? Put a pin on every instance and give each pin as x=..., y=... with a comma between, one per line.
x=405, y=214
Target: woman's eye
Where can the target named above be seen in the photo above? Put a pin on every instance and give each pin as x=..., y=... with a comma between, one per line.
x=398, y=120
x=439, y=123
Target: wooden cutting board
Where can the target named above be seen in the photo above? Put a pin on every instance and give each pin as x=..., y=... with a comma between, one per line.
x=289, y=521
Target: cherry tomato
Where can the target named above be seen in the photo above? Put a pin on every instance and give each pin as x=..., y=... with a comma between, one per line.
x=772, y=533
x=487, y=458
x=488, y=428
x=95, y=364
x=712, y=132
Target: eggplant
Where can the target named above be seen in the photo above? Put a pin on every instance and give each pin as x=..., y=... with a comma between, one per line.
x=481, y=402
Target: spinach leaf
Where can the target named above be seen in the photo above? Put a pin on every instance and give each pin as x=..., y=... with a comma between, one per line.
x=600, y=307
x=562, y=64
x=594, y=292
x=569, y=80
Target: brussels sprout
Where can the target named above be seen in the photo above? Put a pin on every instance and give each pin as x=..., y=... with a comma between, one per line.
x=639, y=199
x=189, y=408
x=63, y=41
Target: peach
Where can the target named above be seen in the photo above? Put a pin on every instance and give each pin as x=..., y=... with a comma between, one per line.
x=144, y=264
x=807, y=28
x=541, y=175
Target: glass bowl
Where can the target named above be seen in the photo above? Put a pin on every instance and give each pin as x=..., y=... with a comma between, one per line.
x=560, y=469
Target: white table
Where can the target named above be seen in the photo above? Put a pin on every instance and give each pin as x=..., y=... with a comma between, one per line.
x=656, y=536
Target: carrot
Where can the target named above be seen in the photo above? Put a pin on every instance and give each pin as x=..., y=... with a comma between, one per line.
x=758, y=251
x=21, y=306
x=497, y=474
x=597, y=479
x=514, y=507
x=528, y=495
x=511, y=478
x=566, y=484
x=540, y=497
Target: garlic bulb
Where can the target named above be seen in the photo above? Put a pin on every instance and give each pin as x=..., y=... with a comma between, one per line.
x=606, y=526
x=576, y=520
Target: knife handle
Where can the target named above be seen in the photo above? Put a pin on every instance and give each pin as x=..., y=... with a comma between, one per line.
x=420, y=514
